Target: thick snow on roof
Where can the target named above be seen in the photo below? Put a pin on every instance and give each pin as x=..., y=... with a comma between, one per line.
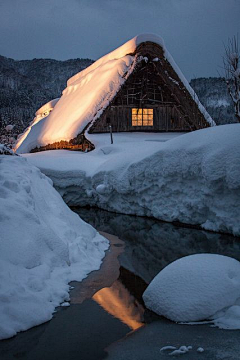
x=89, y=92
x=39, y=115
x=46, y=107
x=128, y=48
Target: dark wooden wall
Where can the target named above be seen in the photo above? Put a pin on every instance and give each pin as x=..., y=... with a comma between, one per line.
x=165, y=118
x=153, y=84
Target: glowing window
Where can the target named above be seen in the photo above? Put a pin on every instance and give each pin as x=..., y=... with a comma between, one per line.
x=142, y=117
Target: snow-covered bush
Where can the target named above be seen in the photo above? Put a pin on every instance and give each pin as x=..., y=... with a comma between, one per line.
x=231, y=63
x=198, y=287
x=7, y=137
x=5, y=150
x=43, y=246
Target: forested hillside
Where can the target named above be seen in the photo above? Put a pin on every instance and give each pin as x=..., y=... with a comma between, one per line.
x=213, y=94
x=26, y=85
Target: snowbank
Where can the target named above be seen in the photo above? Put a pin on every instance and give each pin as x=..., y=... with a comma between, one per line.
x=43, y=246
x=89, y=92
x=198, y=287
x=193, y=178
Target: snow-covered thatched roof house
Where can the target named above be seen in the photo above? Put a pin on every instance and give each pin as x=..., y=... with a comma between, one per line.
x=137, y=87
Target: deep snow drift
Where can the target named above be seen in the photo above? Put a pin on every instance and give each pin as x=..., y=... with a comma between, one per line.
x=198, y=287
x=43, y=246
x=89, y=92
x=193, y=178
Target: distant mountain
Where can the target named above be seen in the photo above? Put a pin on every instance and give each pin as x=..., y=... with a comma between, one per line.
x=213, y=94
x=26, y=85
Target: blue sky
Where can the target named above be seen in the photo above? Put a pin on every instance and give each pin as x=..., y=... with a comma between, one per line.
x=194, y=30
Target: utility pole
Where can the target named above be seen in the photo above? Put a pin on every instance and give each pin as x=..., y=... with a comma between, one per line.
x=110, y=128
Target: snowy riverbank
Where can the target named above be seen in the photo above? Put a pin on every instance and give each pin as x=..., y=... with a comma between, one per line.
x=44, y=246
x=193, y=178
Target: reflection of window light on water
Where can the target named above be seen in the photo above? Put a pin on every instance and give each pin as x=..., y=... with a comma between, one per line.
x=117, y=301
x=142, y=117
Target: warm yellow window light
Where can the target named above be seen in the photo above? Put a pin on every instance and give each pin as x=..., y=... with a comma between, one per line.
x=142, y=117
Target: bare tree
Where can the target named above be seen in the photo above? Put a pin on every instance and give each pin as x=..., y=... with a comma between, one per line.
x=231, y=63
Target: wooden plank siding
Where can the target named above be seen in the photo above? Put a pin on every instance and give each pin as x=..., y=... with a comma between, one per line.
x=165, y=118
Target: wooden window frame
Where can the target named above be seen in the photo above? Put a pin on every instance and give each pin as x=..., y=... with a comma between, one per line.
x=142, y=117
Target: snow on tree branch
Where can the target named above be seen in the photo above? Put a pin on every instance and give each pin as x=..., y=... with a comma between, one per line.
x=231, y=64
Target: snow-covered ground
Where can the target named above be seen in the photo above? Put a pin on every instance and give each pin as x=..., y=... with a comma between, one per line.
x=43, y=246
x=193, y=178
x=126, y=149
x=198, y=287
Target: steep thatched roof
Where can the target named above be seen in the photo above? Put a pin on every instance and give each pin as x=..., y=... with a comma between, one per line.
x=89, y=93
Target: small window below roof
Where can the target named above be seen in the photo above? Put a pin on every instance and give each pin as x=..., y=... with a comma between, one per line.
x=142, y=117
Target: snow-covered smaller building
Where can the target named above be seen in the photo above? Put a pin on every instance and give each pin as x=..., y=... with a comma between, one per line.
x=137, y=87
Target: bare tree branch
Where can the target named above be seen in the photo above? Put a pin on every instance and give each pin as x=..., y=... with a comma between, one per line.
x=231, y=65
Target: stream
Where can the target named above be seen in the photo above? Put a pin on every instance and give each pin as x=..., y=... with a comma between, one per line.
x=107, y=317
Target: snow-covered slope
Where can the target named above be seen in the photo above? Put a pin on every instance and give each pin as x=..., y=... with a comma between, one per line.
x=89, y=92
x=193, y=178
x=198, y=287
x=43, y=246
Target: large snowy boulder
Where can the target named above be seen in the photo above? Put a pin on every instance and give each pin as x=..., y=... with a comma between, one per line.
x=43, y=246
x=198, y=287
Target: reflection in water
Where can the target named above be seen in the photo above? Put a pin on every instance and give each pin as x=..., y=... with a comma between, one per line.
x=115, y=289
x=118, y=301
x=105, y=276
x=150, y=244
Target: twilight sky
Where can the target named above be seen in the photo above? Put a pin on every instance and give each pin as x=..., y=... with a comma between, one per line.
x=193, y=30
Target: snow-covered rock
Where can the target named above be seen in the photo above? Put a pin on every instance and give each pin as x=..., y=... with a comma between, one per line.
x=193, y=178
x=198, y=287
x=43, y=246
x=173, y=351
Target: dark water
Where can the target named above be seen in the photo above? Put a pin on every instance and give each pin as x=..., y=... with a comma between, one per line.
x=150, y=244
x=107, y=317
